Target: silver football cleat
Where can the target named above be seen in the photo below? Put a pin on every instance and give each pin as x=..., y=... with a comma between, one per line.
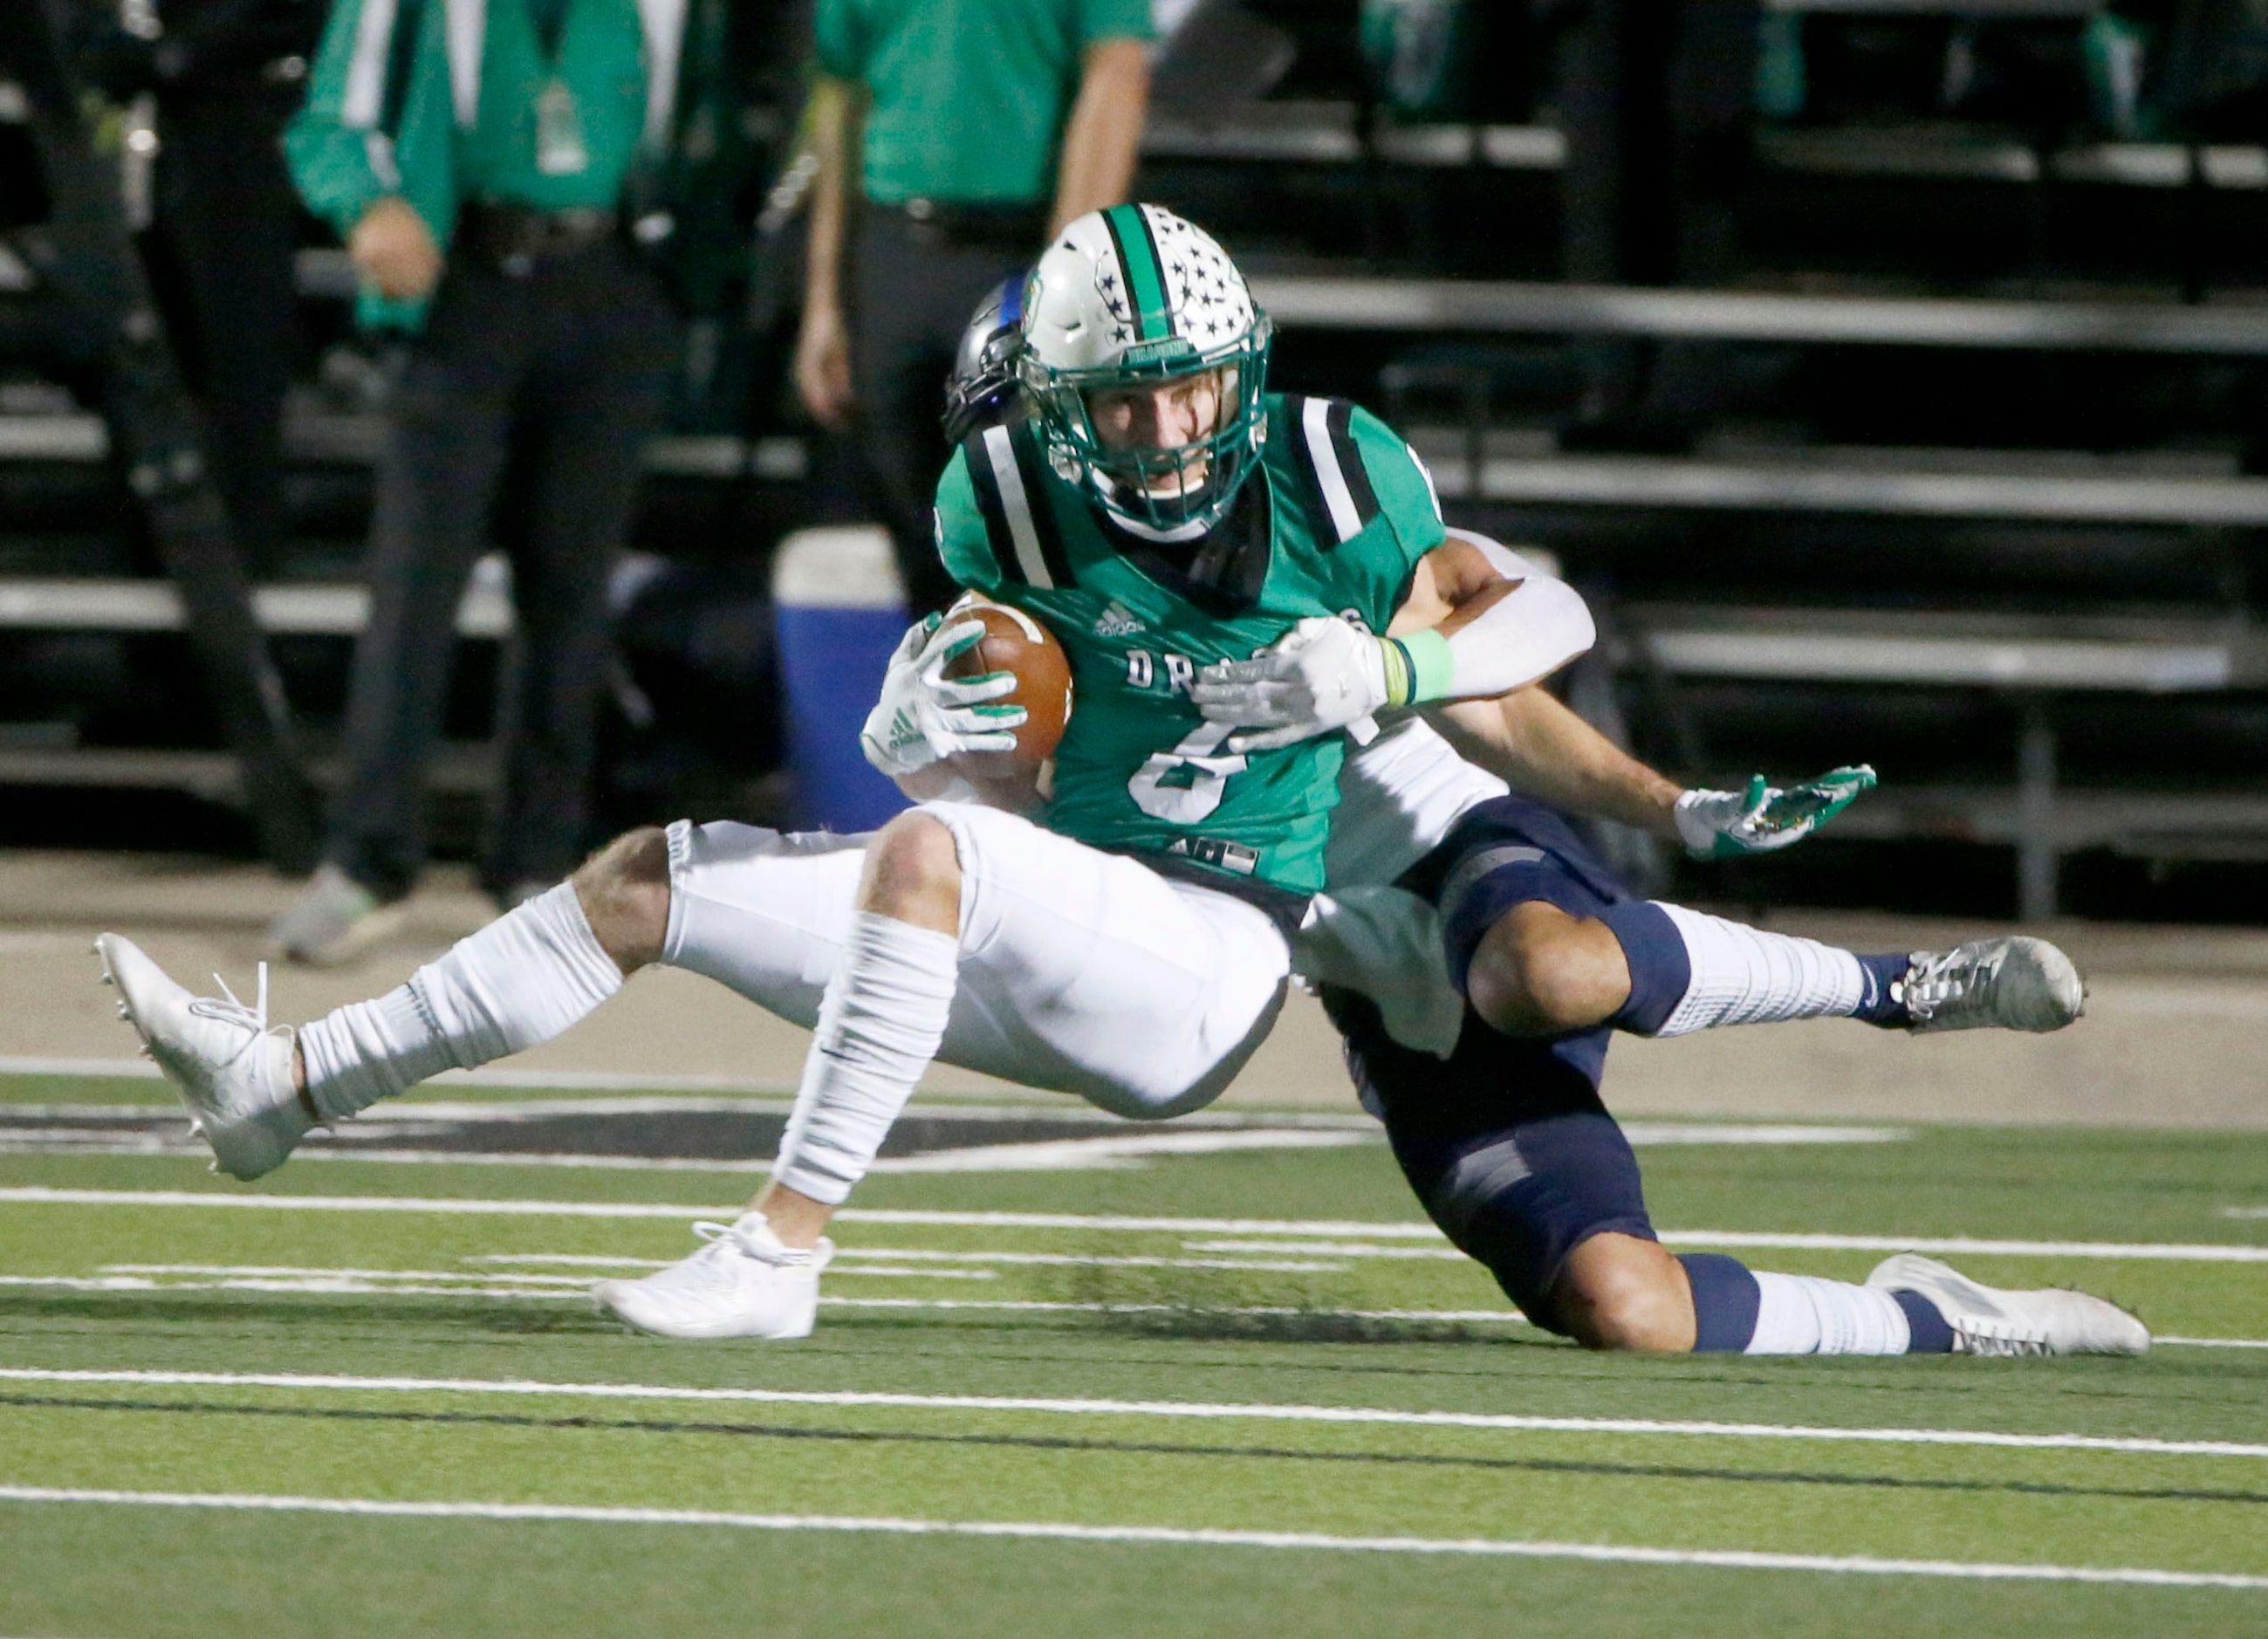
x=2011, y=983
x=1991, y=1321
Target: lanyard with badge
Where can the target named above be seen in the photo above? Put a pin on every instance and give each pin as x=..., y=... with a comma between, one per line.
x=559, y=147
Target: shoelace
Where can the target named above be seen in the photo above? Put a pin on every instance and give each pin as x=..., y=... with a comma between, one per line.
x=1944, y=980
x=1990, y=1340
x=723, y=1239
x=228, y=1009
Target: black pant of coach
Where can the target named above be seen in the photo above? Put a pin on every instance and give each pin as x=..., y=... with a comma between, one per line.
x=525, y=404
x=1657, y=99
x=920, y=268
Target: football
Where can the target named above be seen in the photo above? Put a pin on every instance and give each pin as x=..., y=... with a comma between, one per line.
x=1014, y=642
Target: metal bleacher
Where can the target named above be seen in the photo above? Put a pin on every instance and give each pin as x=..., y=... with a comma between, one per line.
x=1625, y=515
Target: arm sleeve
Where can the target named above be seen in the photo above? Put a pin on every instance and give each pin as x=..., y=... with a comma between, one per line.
x=839, y=47
x=1543, y=625
x=962, y=541
x=1114, y=19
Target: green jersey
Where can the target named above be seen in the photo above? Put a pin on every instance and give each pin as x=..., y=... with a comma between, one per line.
x=1332, y=523
x=969, y=97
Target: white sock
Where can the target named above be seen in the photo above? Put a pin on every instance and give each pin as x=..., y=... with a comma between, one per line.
x=1802, y=1314
x=519, y=982
x=1743, y=975
x=880, y=1026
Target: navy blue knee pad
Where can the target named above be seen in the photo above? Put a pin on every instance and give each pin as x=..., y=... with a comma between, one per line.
x=1507, y=852
x=1661, y=970
x=1521, y=1199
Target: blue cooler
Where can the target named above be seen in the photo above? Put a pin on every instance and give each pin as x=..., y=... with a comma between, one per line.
x=841, y=609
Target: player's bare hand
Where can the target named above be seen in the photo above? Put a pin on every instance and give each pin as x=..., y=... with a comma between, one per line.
x=924, y=716
x=823, y=366
x=1763, y=818
x=393, y=250
x=1323, y=675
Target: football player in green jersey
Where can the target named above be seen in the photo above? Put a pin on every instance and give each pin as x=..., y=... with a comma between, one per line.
x=1170, y=521
x=1160, y=512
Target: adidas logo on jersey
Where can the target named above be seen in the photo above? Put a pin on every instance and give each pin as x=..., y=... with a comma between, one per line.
x=1117, y=622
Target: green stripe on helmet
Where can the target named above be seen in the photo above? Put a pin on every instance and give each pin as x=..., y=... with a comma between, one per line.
x=1145, y=280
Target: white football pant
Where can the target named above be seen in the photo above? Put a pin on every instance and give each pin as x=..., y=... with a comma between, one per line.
x=1082, y=971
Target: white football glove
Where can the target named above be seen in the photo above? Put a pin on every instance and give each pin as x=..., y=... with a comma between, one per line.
x=1724, y=824
x=1323, y=675
x=923, y=716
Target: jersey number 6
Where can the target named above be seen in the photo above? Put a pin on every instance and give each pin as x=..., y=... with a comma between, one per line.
x=1186, y=783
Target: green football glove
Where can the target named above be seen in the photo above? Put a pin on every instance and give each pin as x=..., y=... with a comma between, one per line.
x=1725, y=825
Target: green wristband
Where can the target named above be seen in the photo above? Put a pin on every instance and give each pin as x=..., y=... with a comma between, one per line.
x=1433, y=668
x=1396, y=661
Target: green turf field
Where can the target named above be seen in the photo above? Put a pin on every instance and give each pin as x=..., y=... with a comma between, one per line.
x=1271, y=1403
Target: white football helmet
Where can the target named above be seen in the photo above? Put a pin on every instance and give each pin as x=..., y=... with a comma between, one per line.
x=1129, y=296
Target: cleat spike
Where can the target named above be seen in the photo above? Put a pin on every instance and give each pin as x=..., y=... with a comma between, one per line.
x=196, y=1129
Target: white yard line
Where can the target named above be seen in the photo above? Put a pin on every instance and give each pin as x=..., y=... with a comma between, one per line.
x=1725, y=1558
x=1198, y=1409
x=576, y=1281
x=1340, y=1230
x=1334, y=1249
x=906, y=1254
x=1069, y=1155
x=1201, y=1134
x=2141, y=1251
x=596, y=1080
x=506, y=1112
x=342, y=1275
x=1765, y=1135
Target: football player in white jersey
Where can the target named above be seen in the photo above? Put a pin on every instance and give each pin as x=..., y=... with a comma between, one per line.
x=770, y=916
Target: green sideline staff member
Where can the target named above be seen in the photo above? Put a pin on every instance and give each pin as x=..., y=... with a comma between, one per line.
x=974, y=129
x=479, y=157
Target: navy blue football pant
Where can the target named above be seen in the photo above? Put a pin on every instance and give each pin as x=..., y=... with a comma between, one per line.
x=1506, y=1143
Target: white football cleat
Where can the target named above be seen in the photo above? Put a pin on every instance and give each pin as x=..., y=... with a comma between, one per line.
x=744, y=1283
x=231, y=1068
x=2011, y=984
x=1987, y=1320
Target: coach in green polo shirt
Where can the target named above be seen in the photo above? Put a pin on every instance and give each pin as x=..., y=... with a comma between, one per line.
x=480, y=158
x=967, y=131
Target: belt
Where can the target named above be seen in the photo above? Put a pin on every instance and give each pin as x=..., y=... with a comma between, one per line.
x=1017, y=225
x=514, y=239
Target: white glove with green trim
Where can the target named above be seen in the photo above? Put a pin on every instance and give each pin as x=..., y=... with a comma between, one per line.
x=1321, y=675
x=923, y=716
x=1725, y=825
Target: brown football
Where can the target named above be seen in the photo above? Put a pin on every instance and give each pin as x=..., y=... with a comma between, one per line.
x=1014, y=642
